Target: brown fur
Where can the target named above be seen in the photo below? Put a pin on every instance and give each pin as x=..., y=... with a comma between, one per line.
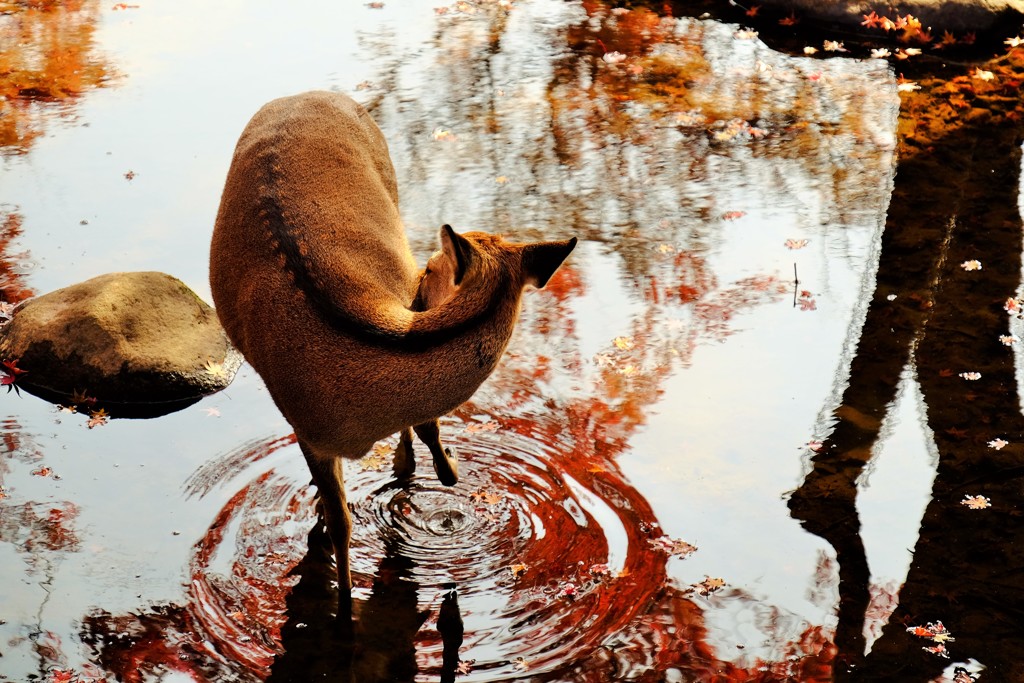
x=314, y=282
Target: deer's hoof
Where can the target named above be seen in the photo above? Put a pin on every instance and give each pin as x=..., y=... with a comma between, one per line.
x=447, y=468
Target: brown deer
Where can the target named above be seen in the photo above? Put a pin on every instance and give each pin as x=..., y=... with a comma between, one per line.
x=314, y=282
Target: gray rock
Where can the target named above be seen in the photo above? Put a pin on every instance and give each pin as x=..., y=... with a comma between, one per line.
x=120, y=338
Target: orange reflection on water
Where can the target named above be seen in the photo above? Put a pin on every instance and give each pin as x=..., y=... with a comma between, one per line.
x=47, y=58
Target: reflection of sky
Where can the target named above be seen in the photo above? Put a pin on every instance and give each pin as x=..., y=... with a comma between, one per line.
x=721, y=445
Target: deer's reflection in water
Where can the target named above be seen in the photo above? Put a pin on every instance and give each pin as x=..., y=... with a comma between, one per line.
x=379, y=644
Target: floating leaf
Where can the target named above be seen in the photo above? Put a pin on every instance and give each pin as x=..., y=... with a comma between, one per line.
x=880, y=53
x=673, y=546
x=568, y=590
x=962, y=675
x=1012, y=306
x=212, y=411
x=834, y=46
x=933, y=630
x=97, y=418
x=521, y=664
x=486, y=497
x=518, y=570
x=43, y=471
x=997, y=444
x=465, y=666
x=624, y=343
x=1008, y=339
x=614, y=57
x=130, y=175
x=973, y=264
x=443, y=134
x=733, y=215
x=709, y=585
x=976, y=502
x=971, y=376
x=796, y=244
x=476, y=427
x=982, y=75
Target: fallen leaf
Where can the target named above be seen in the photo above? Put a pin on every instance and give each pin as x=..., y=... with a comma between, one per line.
x=1012, y=306
x=212, y=411
x=43, y=471
x=976, y=502
x=796, y=244
x=673, y=546
x=614, y=57
x=465, y=666
x=486, y=497
x=130, y=175
x=791, y=20
x=709, y=585
x=375, y=5
x=997, y=444
x=962, y=675
x=567, y=590
x=518, y=570
x=476, y=427
x=521, y=664
x=973, y=264
x=600, y=569
x=733, y=215
x=834, y=46
x=971, y=376
x=624, y=343
x=97, y=418
x=880, y=53
x=1008, y=339
x=982, y=75
x=443, y=134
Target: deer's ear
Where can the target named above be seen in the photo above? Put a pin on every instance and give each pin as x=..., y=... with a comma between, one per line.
x=458, y=250
x=541, y=260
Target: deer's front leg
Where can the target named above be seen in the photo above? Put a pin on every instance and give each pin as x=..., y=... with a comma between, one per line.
x=330, y=483
x=446, y=463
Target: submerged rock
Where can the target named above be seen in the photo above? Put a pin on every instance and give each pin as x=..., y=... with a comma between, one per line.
x=120, y=338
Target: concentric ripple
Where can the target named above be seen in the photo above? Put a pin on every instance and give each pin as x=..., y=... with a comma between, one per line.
x=544, y=544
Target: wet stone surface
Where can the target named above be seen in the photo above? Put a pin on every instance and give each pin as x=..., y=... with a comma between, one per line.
x=120, y=338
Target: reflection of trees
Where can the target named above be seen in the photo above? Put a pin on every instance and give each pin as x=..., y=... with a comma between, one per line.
x=955, y=199
x=552, y=138
x=12, y=286
x=46, y=61
x=42, y=533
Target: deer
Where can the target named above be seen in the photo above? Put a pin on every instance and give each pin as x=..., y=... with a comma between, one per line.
x=314, y=281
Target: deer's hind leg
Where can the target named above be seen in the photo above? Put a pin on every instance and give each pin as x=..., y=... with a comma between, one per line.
x=446, y=463
x=405, y=459
x=329, y=479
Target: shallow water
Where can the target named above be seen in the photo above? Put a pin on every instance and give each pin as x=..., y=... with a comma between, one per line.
x=659, y=402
